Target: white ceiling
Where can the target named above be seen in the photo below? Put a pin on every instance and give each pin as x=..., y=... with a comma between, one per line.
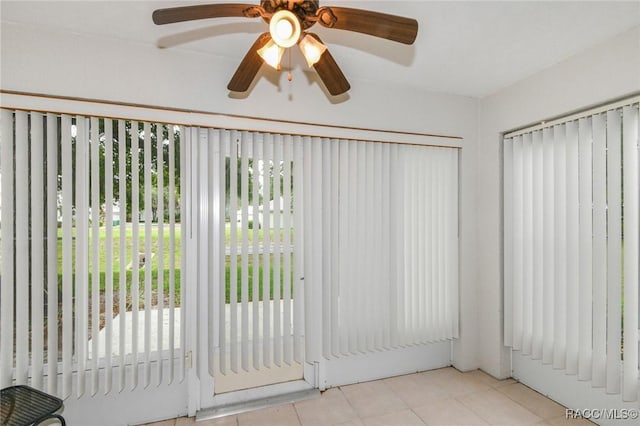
x=465, y=48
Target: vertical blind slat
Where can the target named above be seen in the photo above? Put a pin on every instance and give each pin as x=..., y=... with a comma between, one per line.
x=122, y=270
x=267, y=150
x=287, y=330
x=108, y=248
x=335, y=250
x=585, y=300
x=386, y=252
x=255, y=294
x=183, y=259
x=548, y=247
x=298, y=241
x=327, y=293
x=347, y=344
x=518, y=243
x=244, y=275
x=172, y=250
x=403, y=325
x=353, y=222
x=223, y=141
x=455, y=247
x=422, y=172
x=410, y=244
x=8, y=282
x=560, y=248
x=395, y=255
x=377, y=170
x=306, y=258
x=508, y=190
x=446, y=240
x=614, y=251
x=361, y=219
x=277, y=247
x=202, y=218
x=599, y=268
x=233, y=250
x=148, y=259
x=82, y=247
x=160, y=248
x=67, y=250
x=94, y=144
x=315, y=285
x=52, y=253
x=22, y=322
x=631, y=234
x=212, y=260
x=426, y=171
x=213, y=249
x=527, y=327
x=374, y=233
x=573, y=232
x=135, y=250
x=538, y=248
x=37, y=249
x=434, y=254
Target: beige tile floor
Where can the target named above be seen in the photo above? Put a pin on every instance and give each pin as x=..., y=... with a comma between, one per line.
x=438, y=397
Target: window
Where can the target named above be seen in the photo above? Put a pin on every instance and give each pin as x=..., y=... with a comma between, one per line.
x=571, y=245
x=91, y=251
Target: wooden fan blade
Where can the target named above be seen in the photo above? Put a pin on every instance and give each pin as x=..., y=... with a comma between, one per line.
x=391, y=27
x=249, y=66
x=330, y=73
x=203, y=11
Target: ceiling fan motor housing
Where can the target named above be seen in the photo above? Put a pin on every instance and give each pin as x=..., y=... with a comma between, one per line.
x=301, y=8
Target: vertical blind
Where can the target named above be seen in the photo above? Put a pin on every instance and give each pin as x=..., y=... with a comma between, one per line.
x=328, y=247
x=381, y=233
x=88, y=292
x=571, y=240
x=354, y=243
x=255, y=250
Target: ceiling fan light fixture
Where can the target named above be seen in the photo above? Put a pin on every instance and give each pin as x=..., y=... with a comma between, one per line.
x=288, y=22
x=311, y=49
x=285, y=28
x=271, y=53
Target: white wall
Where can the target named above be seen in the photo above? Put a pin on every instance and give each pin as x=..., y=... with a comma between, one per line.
x=605, y=72
x=40, y=60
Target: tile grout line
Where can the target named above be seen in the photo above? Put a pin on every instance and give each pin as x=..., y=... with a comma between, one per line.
x=298, y=414
x=544, y=396
x=471, y=408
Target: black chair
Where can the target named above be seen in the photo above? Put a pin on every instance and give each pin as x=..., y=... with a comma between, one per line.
x=24, y=406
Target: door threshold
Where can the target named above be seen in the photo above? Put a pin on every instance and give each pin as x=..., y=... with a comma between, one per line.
x=255, y=404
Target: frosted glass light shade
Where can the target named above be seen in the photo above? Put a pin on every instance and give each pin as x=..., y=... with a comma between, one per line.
x=312, y=49
x=271, y=53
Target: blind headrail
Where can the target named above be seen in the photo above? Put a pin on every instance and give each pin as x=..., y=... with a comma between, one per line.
x=187, y=117
x=575, y=116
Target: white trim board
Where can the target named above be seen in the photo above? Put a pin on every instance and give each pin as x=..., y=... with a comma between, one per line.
x=567, y=390
x=141, y=405
x=358, y=368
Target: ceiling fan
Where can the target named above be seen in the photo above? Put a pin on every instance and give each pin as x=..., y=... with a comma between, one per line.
x=288, y=22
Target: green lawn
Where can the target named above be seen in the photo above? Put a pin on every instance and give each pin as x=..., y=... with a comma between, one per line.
x=166, y=259
x=260, y=278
